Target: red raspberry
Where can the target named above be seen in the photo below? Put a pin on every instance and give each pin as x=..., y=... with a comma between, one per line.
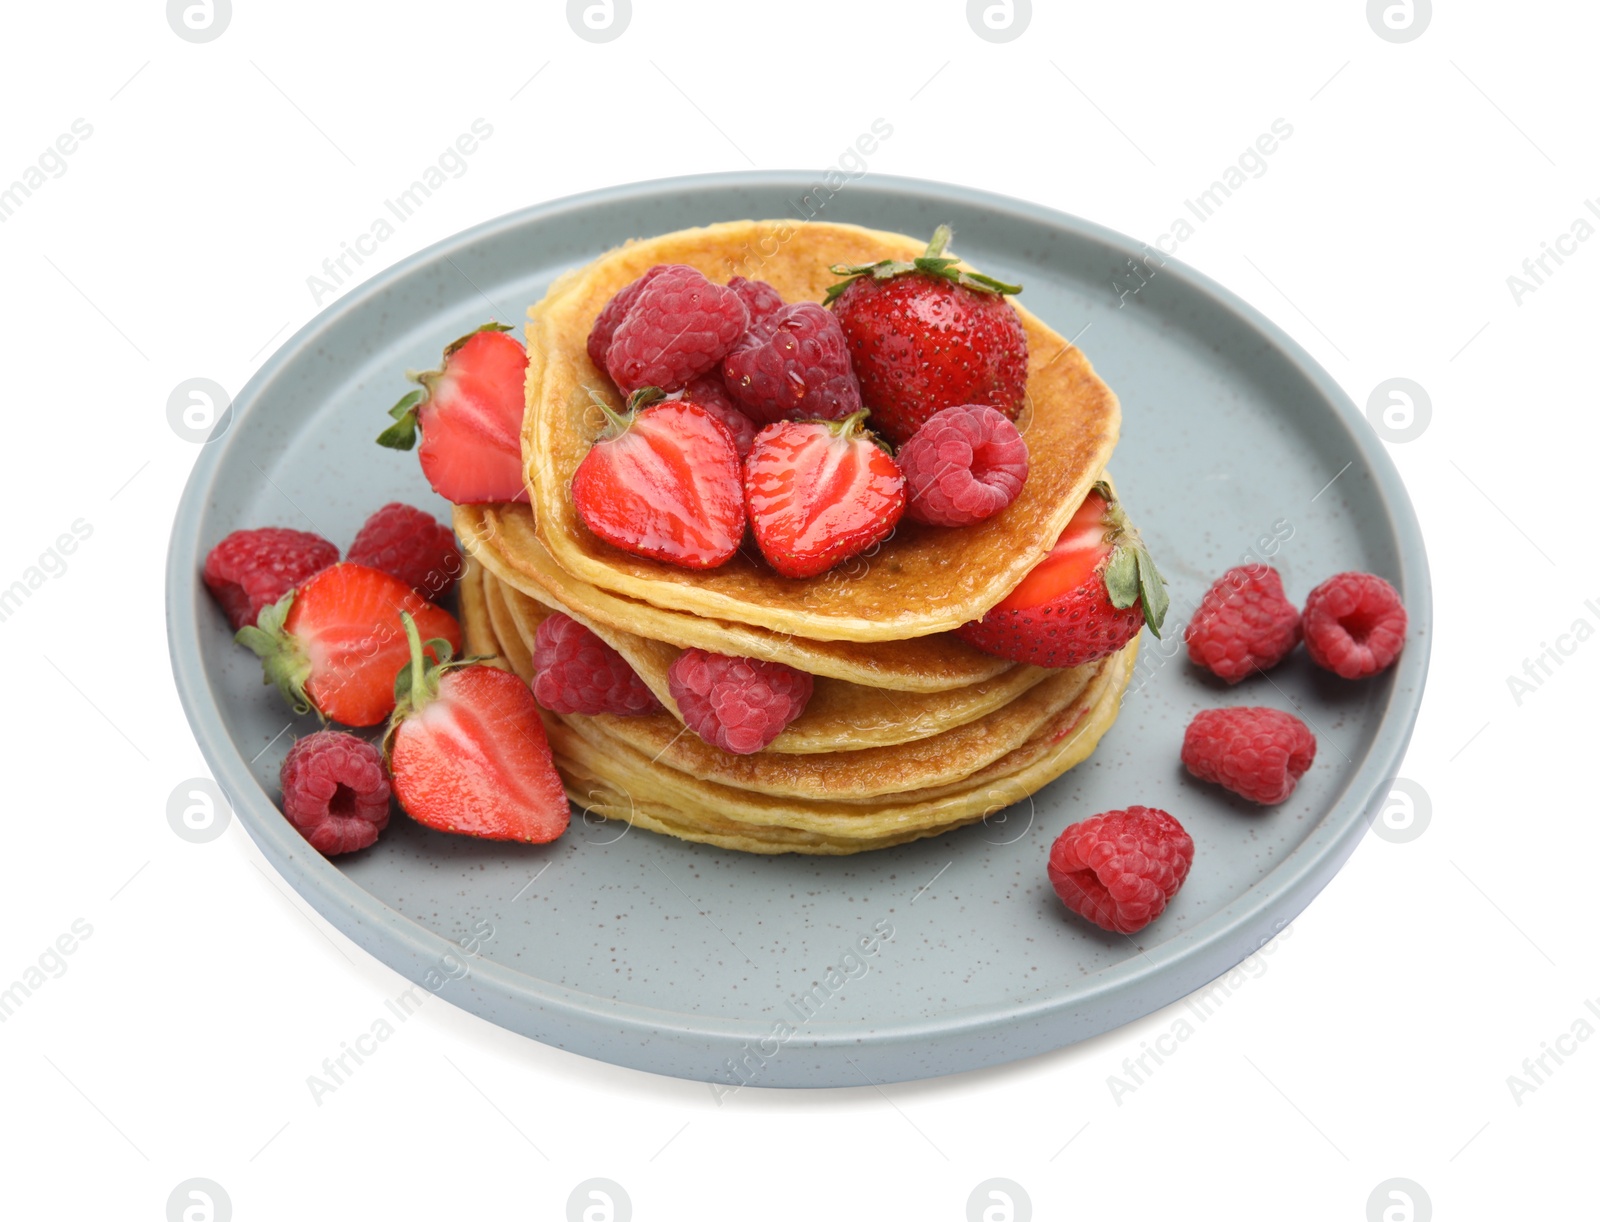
x=1355, y=625
x=759, y=297
x=251, y=569
x=738, y=704
x=411, y=545
x=793, y=366
x=963, y=465
x=1257, y=753
x=1119, y=869
x=335, y=791
x=680, y=325
x=708, y=391
x=1243, y=623
x=577, y=672
x=610, y=318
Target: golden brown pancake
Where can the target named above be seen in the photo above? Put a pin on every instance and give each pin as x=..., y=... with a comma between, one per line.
x=840, y=716
x=502, y=537
x=924, y=580
x=611, y=779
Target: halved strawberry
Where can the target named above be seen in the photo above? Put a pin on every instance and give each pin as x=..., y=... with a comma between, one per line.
x=663, y=481
x=820, y=491
x=467, y=751
x=470, y=411
x=336, y=643
x=1086, y=599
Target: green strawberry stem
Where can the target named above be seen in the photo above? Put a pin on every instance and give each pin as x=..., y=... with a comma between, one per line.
x=416, y=685
x=617, y=422
x=1131, y=575
x=283, y=663
x=932, y=262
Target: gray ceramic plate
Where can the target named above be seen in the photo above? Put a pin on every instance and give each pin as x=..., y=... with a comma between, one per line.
x=929, y=959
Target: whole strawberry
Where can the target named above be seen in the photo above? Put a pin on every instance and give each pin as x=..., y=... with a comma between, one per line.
x=925, y=335
x=470, y=413
x=1086, y=599
x=820, y=491
x=662, y=481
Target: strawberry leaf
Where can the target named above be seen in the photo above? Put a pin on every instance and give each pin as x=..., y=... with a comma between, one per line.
x=932, y=262
x=1122, y=578
x=402, y=434
x=1152, y=590
x=283, y=662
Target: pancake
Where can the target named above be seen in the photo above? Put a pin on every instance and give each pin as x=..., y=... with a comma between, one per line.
x=502, y=537
x=614, y=781
x=840, y=716
x=922, y=581
x=632, y=787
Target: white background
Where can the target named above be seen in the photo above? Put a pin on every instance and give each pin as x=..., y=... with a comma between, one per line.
x=1379, y=1038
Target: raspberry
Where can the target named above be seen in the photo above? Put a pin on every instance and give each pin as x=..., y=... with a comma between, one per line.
x=1243, y=623
x=759, y=297
x=679, y=325
x=1256, y=753
x=793, y=366
x=335, y=791
x=708, y=391
x=1355, y=625
x=610, y=318
x=963, y=465
x=738, y=704
x=409, y=544
x=1119, y=869
x=251, y=569
x=577, y=672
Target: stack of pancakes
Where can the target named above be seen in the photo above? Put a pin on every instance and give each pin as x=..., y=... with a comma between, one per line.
x=910, y=732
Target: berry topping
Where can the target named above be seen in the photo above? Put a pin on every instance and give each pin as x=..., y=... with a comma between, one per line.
x=663, y=481
x=470, y=413
x=926, y=335
x=792, y=366
x=468, y=753
x=759, y=297
x=335, y=791
x=1354, y=624
x=1119, y=869
x=252, y=569
x=737, y=704
x=1243, y=624
x=1256, y=753
x=576, y=672
x=708, y=391
x=411, y=545
x=963, y=465
x=610, y=318
x=335, y=644
x=1086, y=599
x=819, y=492
x=679, y=326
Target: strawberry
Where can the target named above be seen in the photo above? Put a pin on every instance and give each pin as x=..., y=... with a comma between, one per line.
x=662, y=481
x=1086, y=599
x=470, y=412
x=467, y=751
x=335, y=644
x=820, y=491
x=925, y=335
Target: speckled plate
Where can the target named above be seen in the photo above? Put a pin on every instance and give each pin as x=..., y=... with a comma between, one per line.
x=929, y=959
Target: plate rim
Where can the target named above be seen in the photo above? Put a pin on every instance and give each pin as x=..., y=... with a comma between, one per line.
x=397, y=939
